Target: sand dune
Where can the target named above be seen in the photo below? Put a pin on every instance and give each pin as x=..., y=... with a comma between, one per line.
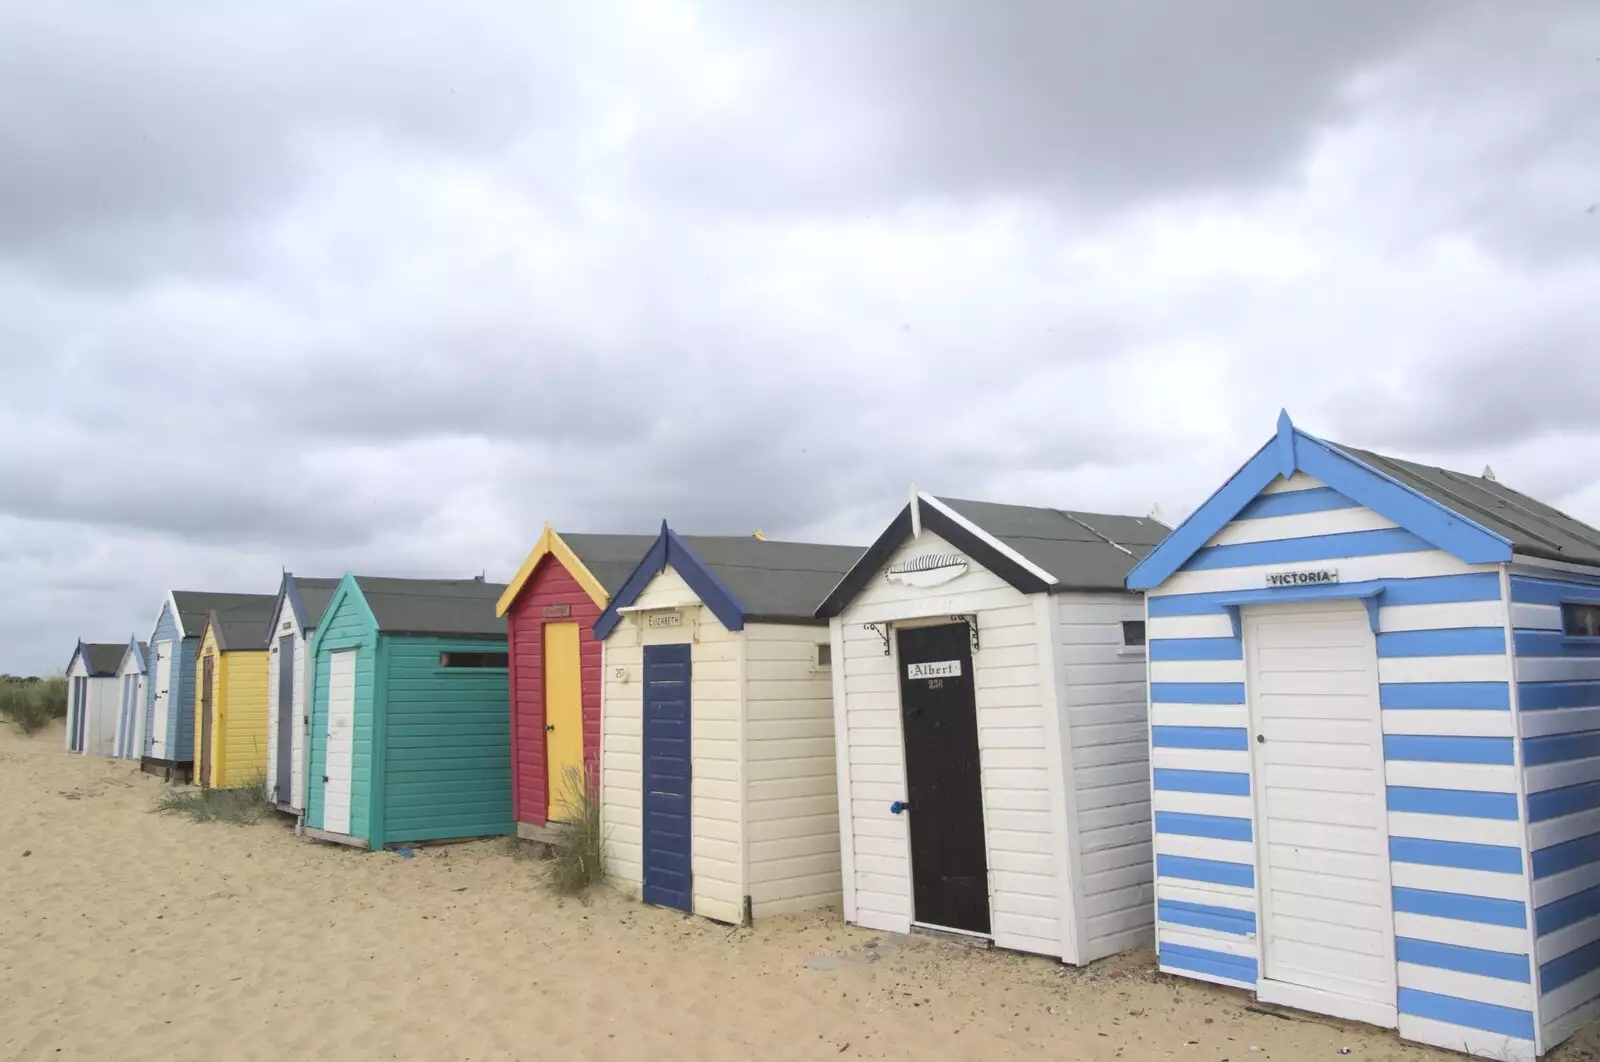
x=127, y=935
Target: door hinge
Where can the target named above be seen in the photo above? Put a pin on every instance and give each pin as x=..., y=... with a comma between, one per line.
x=324, y=779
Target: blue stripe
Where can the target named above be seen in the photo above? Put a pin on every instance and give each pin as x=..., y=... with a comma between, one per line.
x=1455, y=641
x=1565, y=856
x=1199, y=737
x=1462, y=855
x=1226, y=783
x=1197, y=692
x=1536, y=696
x=1206, y=961
x=1206, y=916
x=1568, y=967
x=1313, y=547
x=1559, y=748
x=1196, y=649
x=1294, y=502
x=1462, y=908
x=1462, y=802
x=1501, y=965
x=1506, y=1021
x=1222, y=827
x=1495, y=696
x=1431, y=749
x=1564, y=912
x=1548, y=592
x=1554, y=643
x=1554, y=803
x=1213, y=870
x=1431, y=590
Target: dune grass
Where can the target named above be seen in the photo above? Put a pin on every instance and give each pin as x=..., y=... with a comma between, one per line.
x=242, y=806
x=33, y=703
x=576, y=856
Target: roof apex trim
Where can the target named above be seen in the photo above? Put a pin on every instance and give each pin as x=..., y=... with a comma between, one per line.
x=551, y=542
x=1292, y=449
x=670, y=550
x=989, y=540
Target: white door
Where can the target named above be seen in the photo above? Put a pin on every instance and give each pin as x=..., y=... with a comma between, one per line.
x=341, y=746
x=1327, y=928
x=163, y=681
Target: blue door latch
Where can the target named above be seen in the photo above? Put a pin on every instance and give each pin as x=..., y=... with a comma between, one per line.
x=898, y=806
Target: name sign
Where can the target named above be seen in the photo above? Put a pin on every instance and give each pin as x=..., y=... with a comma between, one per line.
x=1312, y=577
x=934, y=669
x=557, y=611
x=664, y=619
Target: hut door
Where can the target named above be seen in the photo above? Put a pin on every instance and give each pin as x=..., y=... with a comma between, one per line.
x=341, y=741
x=667, y=821
x=286, y=713
x=939, y=718
x=1316, y=740
x=563, y=718
x=207, y=665
x=161, y=699
x=78, y=684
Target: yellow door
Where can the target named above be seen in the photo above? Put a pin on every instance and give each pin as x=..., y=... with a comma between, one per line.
x=563, y=716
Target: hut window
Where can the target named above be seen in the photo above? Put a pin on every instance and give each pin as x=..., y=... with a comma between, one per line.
x=1133, y=632
x=822, y=659
x=1580, y=621
x=475, y=660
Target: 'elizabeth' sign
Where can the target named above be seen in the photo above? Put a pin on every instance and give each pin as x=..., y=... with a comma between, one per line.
x=1314, y=577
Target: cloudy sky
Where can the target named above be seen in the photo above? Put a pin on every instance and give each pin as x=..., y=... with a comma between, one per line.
x=342, y=285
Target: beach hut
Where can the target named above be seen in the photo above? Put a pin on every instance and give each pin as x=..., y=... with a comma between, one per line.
x=989, y=716
x=717, y=775
x=296, y=614
x=131, y=701
x=550, y=609
x=230, y=699
x=410, y=720
x=169, y=686
x=92, y=698
x=1375, y=731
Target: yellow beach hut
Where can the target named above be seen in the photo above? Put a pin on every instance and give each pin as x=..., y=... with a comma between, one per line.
x=230, y=730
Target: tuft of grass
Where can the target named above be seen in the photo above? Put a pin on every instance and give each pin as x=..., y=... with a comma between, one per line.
x=242, y=806
x=576, y=860
x=33, y=704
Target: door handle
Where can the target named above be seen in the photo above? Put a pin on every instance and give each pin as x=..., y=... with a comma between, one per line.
x=898, y=806
x=549, y=728
x=1261, y=739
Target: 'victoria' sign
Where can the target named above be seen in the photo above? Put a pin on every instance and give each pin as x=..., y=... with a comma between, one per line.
x=1313, y=577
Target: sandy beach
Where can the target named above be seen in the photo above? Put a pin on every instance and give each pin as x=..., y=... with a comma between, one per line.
x=129, y=935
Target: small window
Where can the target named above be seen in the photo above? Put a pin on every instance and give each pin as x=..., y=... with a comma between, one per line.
x=502, y=660
x=1133, y=632
x=823, y=659
x=1579, y=620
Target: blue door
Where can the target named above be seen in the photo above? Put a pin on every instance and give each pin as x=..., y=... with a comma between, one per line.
x=667, y=823
x=80, y=693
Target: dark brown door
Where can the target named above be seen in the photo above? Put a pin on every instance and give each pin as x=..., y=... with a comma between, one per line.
x=944, y=788
x=205, y=720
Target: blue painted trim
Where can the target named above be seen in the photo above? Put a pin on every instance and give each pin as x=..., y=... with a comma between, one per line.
x=1187, y=824
x=1368, y=594
x=1310, y=548
x=1464, y=803
x=1554, y=803
x=1200, y=737
x=1559, y=748
x=1462, y=908
x=1566, y=968
x=1529, y=591
x=1501, y=965
x=1196, y=649
x=1435, y=749
x=1461, y=855
x=1206, y=916
x=1455, y=641
x=1539, y=696
x=1197, y=692
x=1558, y=914
x=1213, y=870
x=1506, y=1021
x=669, y=550
x=1191, y=535
x=1427, y=590
x=1555, y=643
x=1208, y=962
x=1284, y=445
x=1565, y=856
x=1484, y=696
x=1222, y=783
x=1294, y=503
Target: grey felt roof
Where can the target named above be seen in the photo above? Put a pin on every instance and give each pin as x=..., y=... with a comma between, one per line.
x=246, y=626
x=610, y=558
x=1532, y=527
x=103, y=658
x=1075, y=547
x=194, y=606
x=774, y=580
x=434, y=606
x=314, y=597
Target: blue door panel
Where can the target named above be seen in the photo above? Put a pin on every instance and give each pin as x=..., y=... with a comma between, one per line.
x=667, y=823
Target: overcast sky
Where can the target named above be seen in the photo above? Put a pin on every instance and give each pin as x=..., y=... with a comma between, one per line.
x=347, y=286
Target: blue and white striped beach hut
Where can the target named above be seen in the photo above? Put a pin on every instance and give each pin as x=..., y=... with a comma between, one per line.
x=1375, y=747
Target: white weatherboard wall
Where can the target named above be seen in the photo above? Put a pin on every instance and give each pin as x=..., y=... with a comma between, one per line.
x=286, y=624
x=101, y=709
x=1060, y=725
x=1459, y=896
x=131, y=708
